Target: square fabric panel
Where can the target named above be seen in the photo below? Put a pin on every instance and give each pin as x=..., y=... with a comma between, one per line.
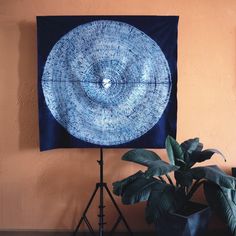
x=107, y=81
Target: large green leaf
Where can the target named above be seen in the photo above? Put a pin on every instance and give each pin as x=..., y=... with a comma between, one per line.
x=191, y=145
x=223, y=201
x=174, y=151
x=156, y=167
x=119, y=186
x=159, y=168
x=213, y=174
x=163, y=199
x=141, y=156
x=139, y=190
x=200, y=156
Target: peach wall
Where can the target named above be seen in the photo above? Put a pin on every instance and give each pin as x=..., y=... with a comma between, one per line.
x=49, y=190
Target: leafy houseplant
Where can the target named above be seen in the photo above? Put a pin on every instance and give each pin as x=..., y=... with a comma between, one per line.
x=164, y=196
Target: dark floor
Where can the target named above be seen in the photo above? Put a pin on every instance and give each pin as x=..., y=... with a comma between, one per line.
x=54, y=233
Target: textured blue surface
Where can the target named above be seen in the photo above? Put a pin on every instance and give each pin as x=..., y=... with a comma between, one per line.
x=106, y=81
x=104, y=76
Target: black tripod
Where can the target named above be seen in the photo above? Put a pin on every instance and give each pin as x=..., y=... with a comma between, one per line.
x=101, y=185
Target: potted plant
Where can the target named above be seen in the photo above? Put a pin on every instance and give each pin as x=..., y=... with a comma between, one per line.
x=168, y=202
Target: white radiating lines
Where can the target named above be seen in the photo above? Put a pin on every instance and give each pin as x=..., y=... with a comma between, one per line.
x=106, y=82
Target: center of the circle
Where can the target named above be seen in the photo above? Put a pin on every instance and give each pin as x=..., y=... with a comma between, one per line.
x=106, y=83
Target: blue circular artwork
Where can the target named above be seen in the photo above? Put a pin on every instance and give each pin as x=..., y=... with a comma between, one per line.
x=106, y=82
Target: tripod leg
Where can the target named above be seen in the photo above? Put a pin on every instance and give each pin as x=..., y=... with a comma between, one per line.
x=101, y=212
x=89, y=225
x=118, y=209
x=115, y=226
x=85, y=212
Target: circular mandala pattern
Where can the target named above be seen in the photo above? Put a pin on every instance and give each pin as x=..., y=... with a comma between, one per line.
x=106, y=82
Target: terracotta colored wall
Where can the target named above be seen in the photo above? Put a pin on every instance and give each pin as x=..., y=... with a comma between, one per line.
x=49, y=190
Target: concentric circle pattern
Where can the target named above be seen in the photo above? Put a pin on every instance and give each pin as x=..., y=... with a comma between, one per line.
x=106, y=82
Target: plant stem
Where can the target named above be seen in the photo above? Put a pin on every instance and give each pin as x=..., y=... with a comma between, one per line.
x=169, y=179
x=161, y=179
x=194, y=188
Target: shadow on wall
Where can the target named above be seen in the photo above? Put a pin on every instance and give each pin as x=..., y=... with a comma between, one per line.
x=27, y=91
x=65, y=189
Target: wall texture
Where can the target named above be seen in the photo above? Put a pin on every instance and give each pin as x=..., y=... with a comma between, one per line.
x=49, y=190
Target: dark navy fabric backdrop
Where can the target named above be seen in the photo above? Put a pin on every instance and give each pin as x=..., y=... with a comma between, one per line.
x=162, y=29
